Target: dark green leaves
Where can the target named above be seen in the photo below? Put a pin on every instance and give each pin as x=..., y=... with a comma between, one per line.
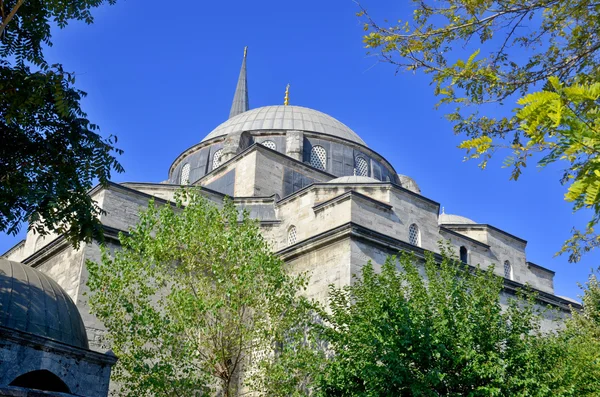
x=50, y=155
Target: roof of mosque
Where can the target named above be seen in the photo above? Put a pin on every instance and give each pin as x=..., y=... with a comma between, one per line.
x=448, y=219
x=354, y=179
x=285, y=118
x=32, y=302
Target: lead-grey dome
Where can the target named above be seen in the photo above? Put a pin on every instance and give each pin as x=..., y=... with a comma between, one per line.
x=285, y=118
x=354, y=179
x=449, y=219
x=32, y=302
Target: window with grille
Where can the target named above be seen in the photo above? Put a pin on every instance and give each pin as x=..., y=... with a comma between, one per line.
x=292, y=235
x=217, y=158
x=361, y=167
x=269, y=144
x=464, y=254
x=507, y=270
x=184, y=179
x=318, y=157
x=414, y=236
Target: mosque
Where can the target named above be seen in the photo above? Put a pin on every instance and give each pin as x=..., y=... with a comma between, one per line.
x=325, y=200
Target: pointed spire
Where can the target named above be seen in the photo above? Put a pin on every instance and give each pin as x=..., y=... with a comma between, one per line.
x=286, y=98
x=240, y=99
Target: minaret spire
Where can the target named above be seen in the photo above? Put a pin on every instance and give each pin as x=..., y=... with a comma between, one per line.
x=240, y=99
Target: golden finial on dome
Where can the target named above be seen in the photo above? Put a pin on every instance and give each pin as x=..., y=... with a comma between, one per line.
x=286, y=99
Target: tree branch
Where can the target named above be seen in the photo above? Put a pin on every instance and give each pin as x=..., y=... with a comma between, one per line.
x=10, y=15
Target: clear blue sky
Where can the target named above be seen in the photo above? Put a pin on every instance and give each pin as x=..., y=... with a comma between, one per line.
x=161, y=76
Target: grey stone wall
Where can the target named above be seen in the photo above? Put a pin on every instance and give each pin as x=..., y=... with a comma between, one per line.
x=86, y=373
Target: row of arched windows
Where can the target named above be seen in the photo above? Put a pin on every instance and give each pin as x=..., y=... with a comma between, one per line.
x=414, y=237
x=508, y=270
x=318, y=159
x=184, y=177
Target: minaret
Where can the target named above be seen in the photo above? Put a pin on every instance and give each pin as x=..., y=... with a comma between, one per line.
x=240, y=99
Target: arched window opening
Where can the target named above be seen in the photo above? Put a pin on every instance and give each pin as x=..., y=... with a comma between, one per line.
x=361, y=167
x=217, y=158
x=508, y=273
x=318, y=157
x=292, y=235
x=414, y=235
x=185, y=175
x=270, y=144
x=464, y=254
x=41, y=380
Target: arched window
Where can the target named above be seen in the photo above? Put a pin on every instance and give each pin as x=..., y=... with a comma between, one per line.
x=217, y=158
x=414, y=236
x=464, y=254
x=270, y=144
x=41, y=380
x=508, y=270
x=318, y=157
x=184, y=179
x=292, y=235
x=361, y=167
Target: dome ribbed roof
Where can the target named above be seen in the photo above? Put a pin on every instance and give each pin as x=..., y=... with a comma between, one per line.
x=32, y=302
x=354, y=179
x=285, y=118
x=448, y=219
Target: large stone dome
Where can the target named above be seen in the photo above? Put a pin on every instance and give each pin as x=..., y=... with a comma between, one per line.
x=285, y=118
x=32, y=302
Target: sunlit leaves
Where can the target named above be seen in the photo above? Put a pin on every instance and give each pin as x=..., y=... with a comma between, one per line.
x=440, y=331
x=482, y=54
x=195, y=303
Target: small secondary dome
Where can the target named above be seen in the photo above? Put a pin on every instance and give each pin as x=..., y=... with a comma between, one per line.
x=32, y=302
x=354, y=179
x=408, y=183
x=285, y=118
x=448, y=219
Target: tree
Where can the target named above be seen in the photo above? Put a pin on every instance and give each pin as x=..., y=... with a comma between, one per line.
x=51, y=155
x=575, y=351
x=483, y=54
x=440, y=333
x=194, y=303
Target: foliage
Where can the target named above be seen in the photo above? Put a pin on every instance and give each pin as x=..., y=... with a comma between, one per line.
x=441, y=333
x=575, y=367
x=51, y=155
x=194, y=299
x=482, y=54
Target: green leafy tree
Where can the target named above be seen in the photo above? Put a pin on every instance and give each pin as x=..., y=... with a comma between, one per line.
x=483, y=54
x=574, y=352
x=434, y=331
x=195, y=303
x=51, y=154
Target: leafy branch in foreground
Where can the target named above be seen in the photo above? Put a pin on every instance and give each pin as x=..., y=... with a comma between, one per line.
x=195, y=303
x=442, y=333
x=51, y=154
x=483, y=54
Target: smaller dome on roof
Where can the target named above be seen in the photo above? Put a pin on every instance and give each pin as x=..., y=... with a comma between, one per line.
x=408, y=183
x=354, y=179
x=30, y=301
x=448, y=219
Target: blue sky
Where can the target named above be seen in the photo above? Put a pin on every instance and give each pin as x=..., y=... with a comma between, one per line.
x=161, y=76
